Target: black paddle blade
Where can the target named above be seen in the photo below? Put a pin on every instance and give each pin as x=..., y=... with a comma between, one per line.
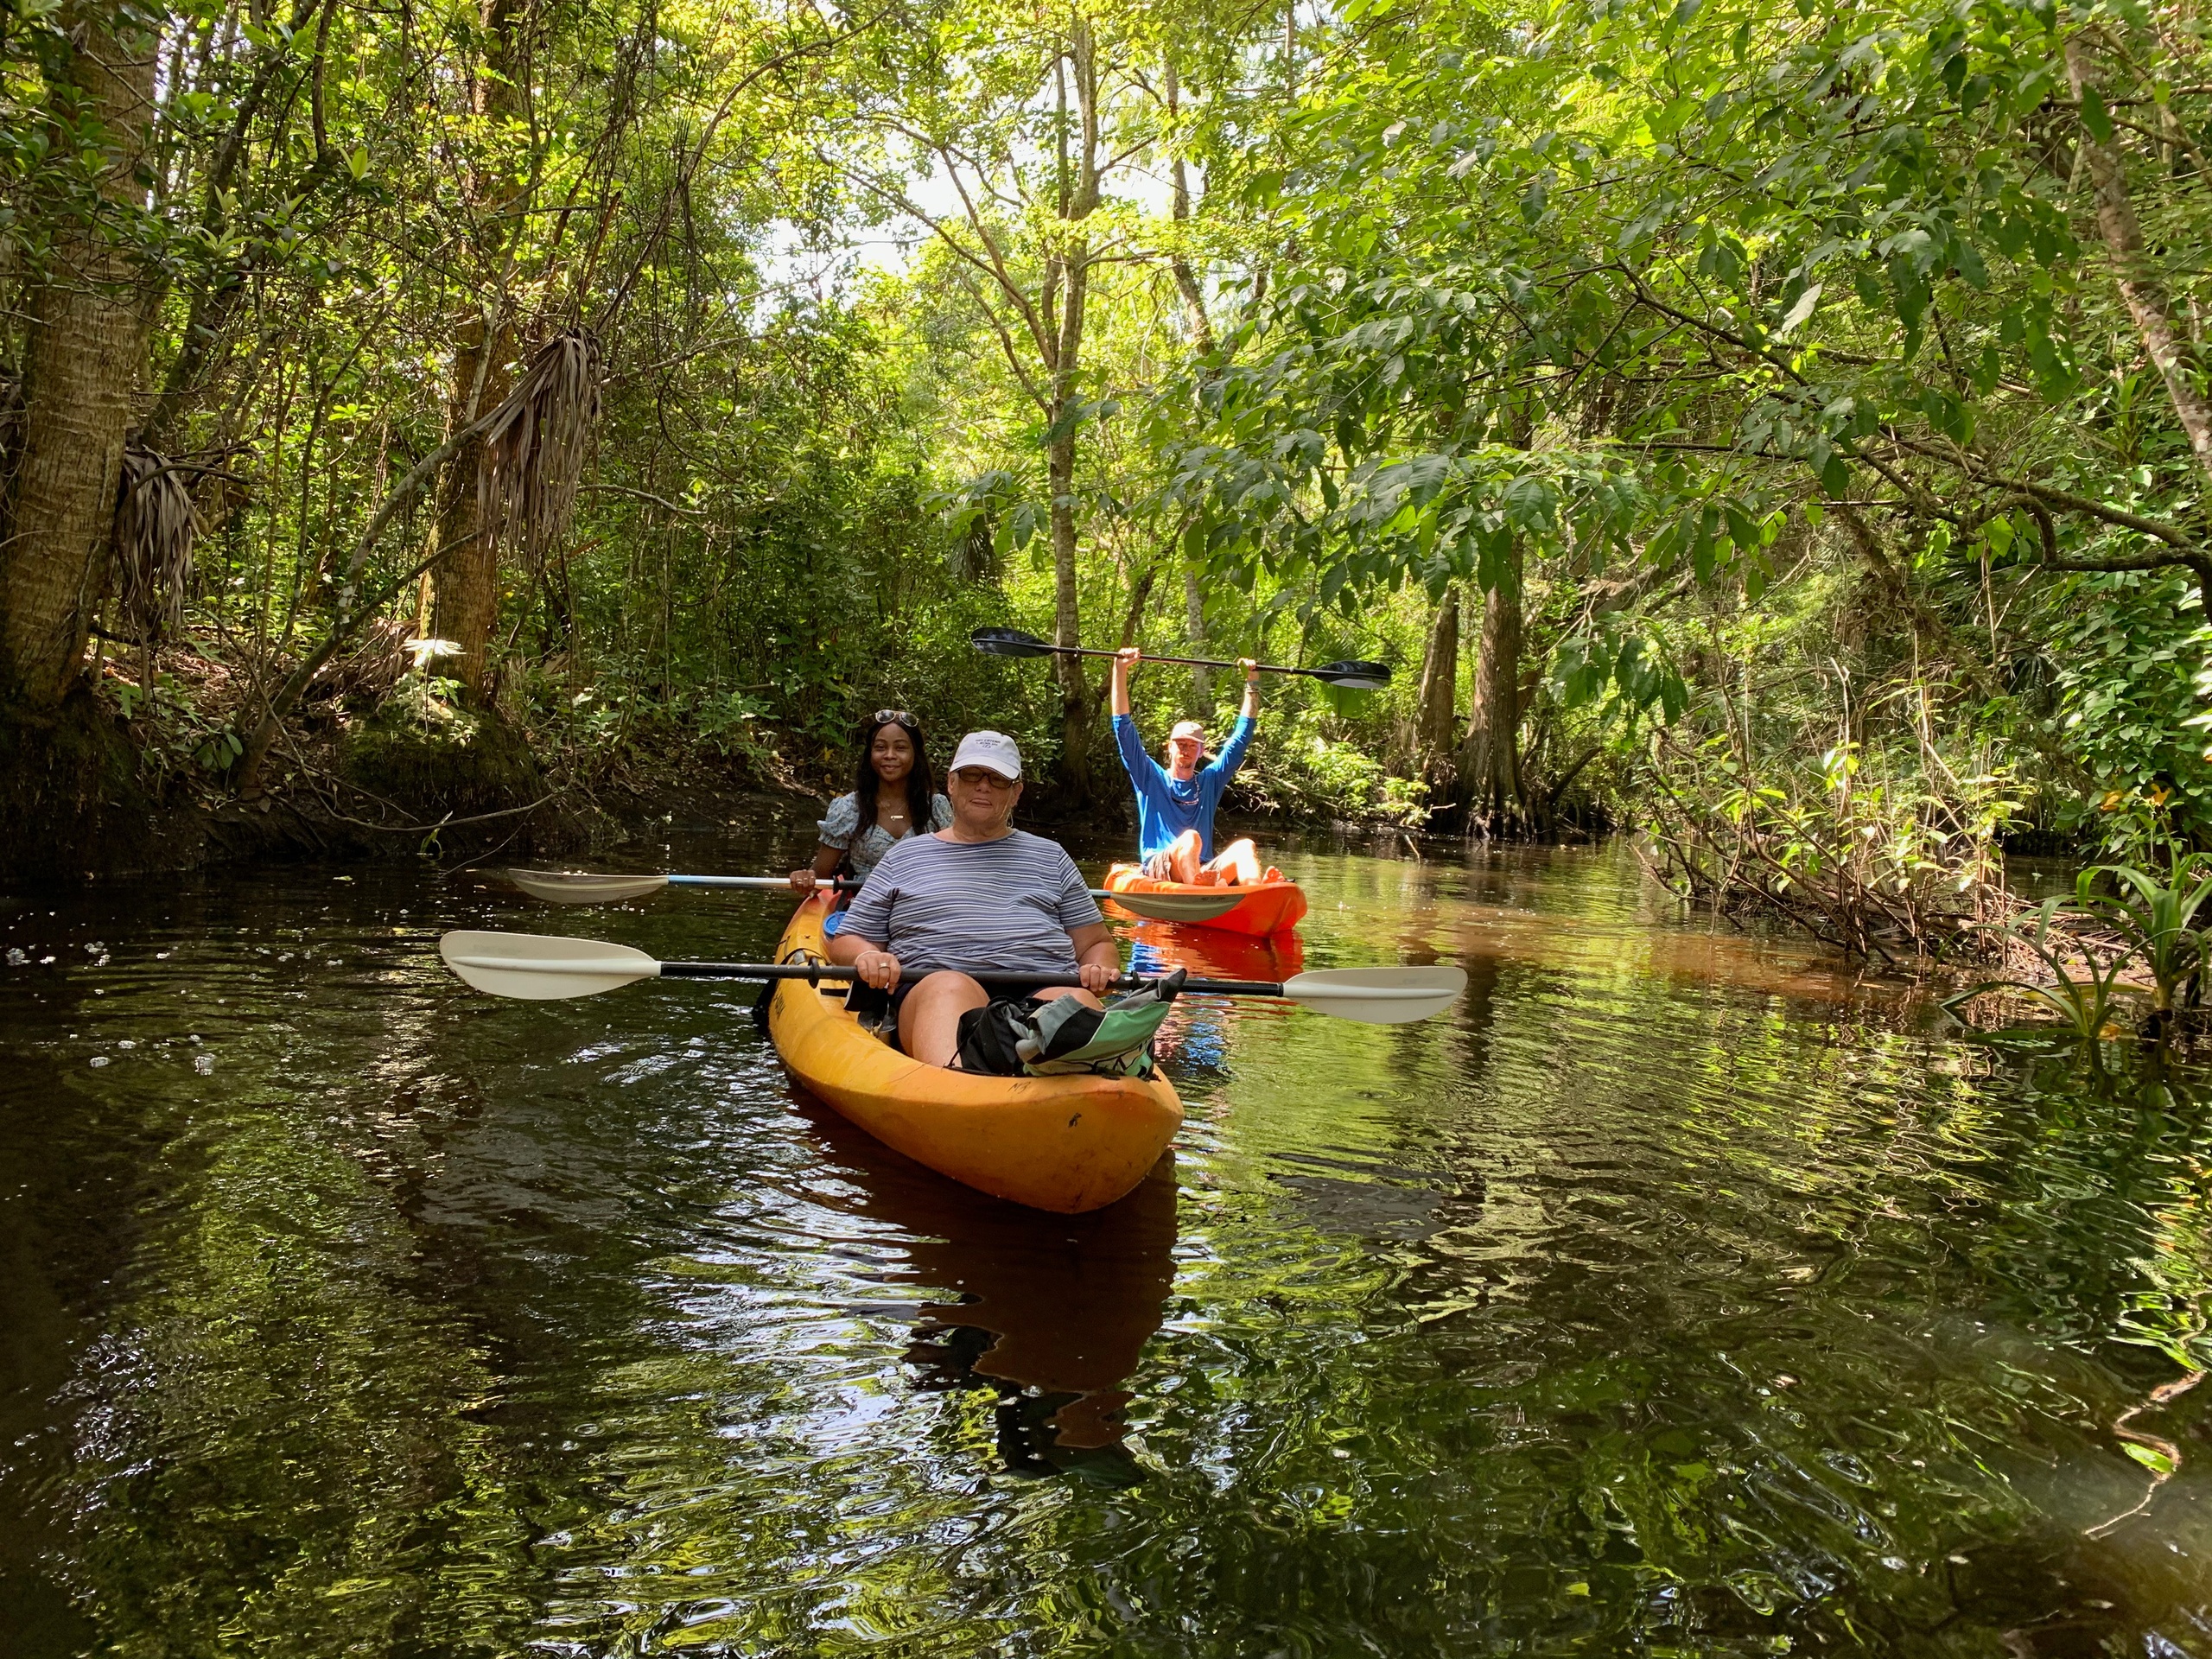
x=1008, y=642
x=1354, y=677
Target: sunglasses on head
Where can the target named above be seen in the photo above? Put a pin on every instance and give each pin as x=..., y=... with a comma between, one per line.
x=896, y=717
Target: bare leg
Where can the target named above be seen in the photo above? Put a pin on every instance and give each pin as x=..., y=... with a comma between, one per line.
x=1046, y=993
x=1237, y=863
x=929, y=1019
x=1183, y=857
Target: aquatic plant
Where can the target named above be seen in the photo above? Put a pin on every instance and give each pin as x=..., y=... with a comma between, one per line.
x=2157, y=917
x=2084, y=1004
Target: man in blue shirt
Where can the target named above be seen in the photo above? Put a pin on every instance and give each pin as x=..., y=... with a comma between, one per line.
x=1176, y=802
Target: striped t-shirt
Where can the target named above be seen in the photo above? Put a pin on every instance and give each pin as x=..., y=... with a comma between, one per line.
x=1008, y=904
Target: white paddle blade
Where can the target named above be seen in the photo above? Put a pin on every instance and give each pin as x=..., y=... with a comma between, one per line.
x=1378, y=996
x=1178, y=906
x=574, y=887
x=540, y=968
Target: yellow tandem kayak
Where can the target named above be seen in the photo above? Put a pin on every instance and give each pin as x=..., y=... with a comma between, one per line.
x=1067, y=1144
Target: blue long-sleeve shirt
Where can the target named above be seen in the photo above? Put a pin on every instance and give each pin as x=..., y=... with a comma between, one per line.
x=1165, y=808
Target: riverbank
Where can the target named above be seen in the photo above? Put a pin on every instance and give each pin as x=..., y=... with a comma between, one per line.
x=100, y=791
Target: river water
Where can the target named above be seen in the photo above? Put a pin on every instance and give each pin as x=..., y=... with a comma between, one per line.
x=1675, y=1293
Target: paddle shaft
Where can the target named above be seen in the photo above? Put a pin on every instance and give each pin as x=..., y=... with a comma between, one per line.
x=761, y=883
x=816, y=973
x=1197, y=905
x=1184, y=661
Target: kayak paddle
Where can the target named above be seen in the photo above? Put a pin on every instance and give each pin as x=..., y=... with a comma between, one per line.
x=578, y=888
x=1346, y=675
x=574, y=887
x=537, y=968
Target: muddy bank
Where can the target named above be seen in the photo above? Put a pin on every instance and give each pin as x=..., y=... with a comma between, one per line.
x=84, y=798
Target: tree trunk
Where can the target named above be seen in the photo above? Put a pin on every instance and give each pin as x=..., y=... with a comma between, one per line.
x=2134, y=270
x=1439, y=699
x=1078, y=199
x=1196, y=323
x=86, y=352
x=1198, y=329
x=1490, y=758
x=1194, y=624
x=465, y=580
x=1067, y=622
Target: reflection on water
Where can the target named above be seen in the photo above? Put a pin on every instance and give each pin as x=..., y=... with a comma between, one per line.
x=1052, y=1313
x=1678, y=1291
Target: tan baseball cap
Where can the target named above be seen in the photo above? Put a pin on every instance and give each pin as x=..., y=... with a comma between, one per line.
x=1188, y=728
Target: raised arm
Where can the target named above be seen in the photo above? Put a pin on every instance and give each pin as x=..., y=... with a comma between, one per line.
x=1125, y=659
x=1240, y=736
x=1134, y=760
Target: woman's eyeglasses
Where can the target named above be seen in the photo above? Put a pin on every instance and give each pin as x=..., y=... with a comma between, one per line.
x=897, y=717
x=969, y=776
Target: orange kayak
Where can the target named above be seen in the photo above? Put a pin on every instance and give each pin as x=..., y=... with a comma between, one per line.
x=1067, y=1144
x=1270, y=908
x=1157, y=947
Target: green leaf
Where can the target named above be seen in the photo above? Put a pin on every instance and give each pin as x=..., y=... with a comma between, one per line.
x=1796, y=317
x=2094, y=116
x=2158, y=1462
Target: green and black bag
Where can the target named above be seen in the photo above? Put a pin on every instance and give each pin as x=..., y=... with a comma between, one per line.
x=1013, y=1037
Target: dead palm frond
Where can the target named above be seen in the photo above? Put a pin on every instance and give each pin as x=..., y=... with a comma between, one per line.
x=155, y=526
x=537, y=444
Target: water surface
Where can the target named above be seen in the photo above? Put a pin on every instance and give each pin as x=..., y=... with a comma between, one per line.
x=1676, y=1293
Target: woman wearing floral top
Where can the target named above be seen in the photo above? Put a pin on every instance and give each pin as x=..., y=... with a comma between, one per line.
x=894, y=796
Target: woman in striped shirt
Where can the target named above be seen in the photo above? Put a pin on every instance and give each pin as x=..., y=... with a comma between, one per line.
x=977, y=896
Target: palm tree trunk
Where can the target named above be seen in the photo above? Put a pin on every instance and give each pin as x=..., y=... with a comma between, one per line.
x=86, y=351
x=465, y=581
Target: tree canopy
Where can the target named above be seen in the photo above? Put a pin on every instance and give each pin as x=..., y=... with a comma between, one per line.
x=1800, y=409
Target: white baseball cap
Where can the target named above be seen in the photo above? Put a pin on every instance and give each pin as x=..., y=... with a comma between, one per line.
x=993, y=750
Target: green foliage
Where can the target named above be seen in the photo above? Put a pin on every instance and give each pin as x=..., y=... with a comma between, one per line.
x=1303, y=772
x=1727, y=341
x=2156, y=916
x=2083, y=1003
x=2128, y=657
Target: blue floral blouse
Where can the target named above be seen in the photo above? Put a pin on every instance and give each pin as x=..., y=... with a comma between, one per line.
x=867, y=852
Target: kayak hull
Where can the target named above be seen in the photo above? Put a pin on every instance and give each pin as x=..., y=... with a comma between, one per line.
x=1067, y=1144
x=1270, y=908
